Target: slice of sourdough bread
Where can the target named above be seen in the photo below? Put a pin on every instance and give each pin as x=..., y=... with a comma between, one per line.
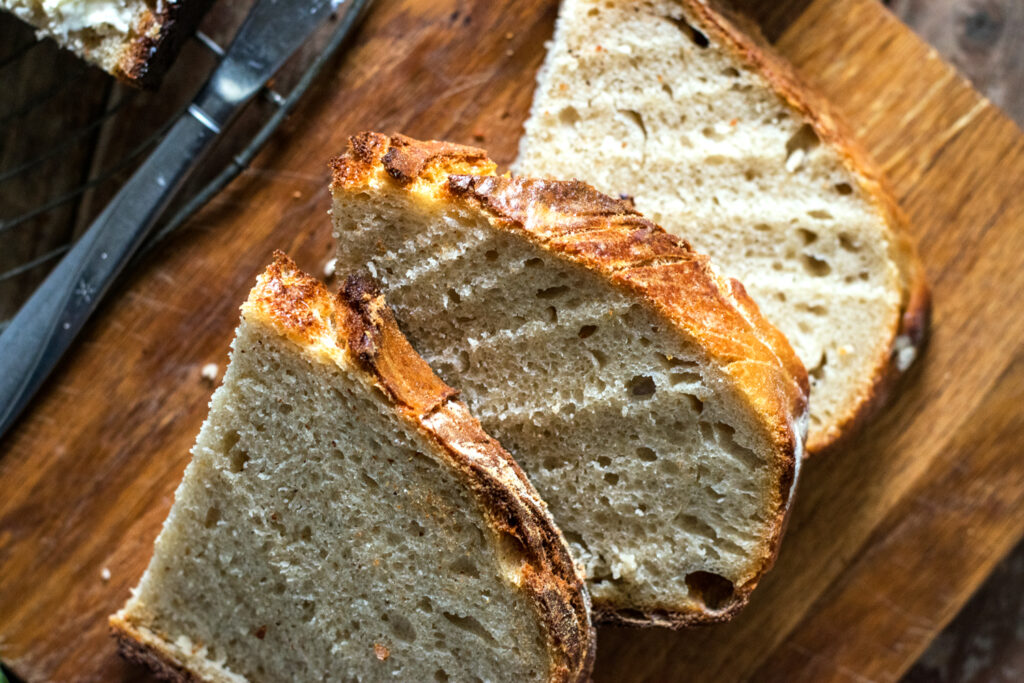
x=134, y=40
x=344, y=517
x=659, y=415
x=717, y=141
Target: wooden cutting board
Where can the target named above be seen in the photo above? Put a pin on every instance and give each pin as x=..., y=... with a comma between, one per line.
x=889, y=536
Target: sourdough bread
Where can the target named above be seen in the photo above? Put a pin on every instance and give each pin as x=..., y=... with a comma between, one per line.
x=716, y=141
x=659, y=415
x=344, y=517
x=133, y=40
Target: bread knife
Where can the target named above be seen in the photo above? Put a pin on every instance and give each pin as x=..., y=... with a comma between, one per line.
x=47, y=324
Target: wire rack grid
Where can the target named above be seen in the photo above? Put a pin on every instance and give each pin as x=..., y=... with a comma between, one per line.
x=70, y=136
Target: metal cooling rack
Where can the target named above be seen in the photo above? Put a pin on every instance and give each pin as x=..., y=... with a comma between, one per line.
x=70, y=136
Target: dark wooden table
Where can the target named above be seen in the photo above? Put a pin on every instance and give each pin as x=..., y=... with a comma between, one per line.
x=984, y=38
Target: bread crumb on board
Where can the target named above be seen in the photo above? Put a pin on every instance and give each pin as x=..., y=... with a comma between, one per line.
x=210, y=372
x=330, y=267
x=381, y=651
x=105, y=574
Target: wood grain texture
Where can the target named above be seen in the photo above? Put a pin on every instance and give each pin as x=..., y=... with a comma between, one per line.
x=889, y=537
x=985, y=40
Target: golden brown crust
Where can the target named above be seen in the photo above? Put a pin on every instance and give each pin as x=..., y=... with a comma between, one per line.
x=298, y=306
x=357, y=329
x=374, y=339
x=513, y=507
x=912, y=323
x=132, y=646
x=577, y=223
x=158, y=37
x=604, y=234
x=407, y=159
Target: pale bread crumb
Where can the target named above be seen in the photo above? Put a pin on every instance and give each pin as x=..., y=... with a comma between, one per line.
x=330, y=267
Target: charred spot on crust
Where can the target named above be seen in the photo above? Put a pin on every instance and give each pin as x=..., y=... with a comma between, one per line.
x=406, y=158
x=151, y=53
x=366, y=147
x=359, y=289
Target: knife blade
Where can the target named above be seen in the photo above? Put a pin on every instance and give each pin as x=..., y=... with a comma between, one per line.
x=47, y=324
x=270, y=34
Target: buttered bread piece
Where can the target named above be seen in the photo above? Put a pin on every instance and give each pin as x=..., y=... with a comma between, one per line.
x=134, y=40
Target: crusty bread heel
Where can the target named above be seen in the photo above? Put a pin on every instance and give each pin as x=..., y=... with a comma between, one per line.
x=719, y=142
x=657, y=412
x=344, y=517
